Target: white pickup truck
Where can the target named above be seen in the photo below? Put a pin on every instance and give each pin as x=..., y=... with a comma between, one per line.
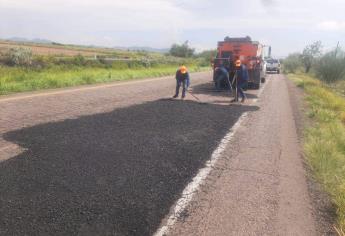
x=273, y=65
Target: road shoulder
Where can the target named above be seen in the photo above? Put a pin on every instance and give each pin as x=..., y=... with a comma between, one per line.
x=323, y=209
x=257, y=190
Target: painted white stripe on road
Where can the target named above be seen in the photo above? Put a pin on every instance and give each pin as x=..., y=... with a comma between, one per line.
x=191, y=189
x=193, y=186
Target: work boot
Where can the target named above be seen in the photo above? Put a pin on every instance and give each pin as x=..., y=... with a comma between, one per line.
x=175, y=96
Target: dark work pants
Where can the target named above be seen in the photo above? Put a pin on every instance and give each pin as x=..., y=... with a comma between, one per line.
x=240, y=90
x=178, y=85
x=218, y=81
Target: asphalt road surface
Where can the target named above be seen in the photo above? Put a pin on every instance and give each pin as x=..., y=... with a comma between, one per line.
x=113, y=160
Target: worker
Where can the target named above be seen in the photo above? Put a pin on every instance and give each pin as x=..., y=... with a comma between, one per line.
x=242, y=78
x=182, y=78
x=221, y=74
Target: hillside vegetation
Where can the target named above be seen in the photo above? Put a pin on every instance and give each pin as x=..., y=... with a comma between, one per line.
x=27, y=66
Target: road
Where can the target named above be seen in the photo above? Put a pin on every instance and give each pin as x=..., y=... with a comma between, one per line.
x=114, y=159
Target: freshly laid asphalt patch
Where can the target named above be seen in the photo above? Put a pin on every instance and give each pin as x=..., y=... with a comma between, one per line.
x=115, y=173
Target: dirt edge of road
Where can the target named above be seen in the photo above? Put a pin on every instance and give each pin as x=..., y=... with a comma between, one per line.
x=323, y=209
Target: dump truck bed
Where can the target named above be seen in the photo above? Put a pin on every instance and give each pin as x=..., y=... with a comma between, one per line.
x=240, y=48
x=248, y=51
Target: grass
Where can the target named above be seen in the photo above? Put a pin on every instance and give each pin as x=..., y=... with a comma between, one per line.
x=15, y=79
x=338, y=87
x=324, y=145
x=31, y=66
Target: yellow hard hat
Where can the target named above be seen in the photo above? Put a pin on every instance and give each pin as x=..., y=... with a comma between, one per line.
x=238, y=63
x=183, y=69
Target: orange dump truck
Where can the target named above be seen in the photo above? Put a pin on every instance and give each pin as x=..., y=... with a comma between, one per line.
x=249, y=52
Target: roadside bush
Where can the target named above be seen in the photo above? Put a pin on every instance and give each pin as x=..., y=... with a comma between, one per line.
x=292, y=63
x=4, y=58
x=41, y=62
x=182, y=50
x=120, y=65
x=205, y=57
x=79, y=60
x=19, y=57
x=330, y=68
x=135, y=64
x=146, y=62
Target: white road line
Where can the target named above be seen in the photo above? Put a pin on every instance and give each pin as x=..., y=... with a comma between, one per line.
x=194, y=185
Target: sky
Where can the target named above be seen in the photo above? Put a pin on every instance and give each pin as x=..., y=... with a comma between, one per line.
x=287, y=25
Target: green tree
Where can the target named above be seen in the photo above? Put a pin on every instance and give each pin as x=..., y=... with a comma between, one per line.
x=331, y=66
x=292, y=63
x=205, y=57
x=182, y=50
x=309, y=54
x=208, y=54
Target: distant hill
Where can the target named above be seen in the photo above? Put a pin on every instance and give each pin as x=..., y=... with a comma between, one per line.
x=25, y=40
x=146, y=49
x=49, y=42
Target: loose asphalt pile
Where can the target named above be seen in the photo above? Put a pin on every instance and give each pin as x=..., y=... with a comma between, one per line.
x=116, y=173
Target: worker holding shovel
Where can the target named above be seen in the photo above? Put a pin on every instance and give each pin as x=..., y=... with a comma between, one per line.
x=241, y=78
x=182, y=78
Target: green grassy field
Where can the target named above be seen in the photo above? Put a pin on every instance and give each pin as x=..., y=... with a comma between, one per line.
x=324, y=145
x=15, y=79
x=28, y=66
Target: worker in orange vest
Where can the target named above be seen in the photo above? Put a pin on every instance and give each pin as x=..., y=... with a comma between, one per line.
x=182, y=78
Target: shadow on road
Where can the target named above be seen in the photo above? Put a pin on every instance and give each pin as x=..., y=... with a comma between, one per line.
x=209, y=89
x=115, y=173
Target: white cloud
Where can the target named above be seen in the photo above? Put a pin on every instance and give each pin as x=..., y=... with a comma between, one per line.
x=51, y=4
x=332, y=25
x=158, y=23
